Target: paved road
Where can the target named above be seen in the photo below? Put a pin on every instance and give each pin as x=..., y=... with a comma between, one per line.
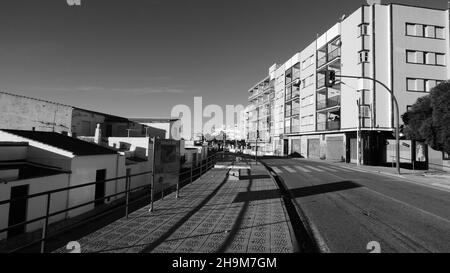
x=349, y=208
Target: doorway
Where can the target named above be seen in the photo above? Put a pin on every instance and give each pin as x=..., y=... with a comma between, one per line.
x=286, y=147
x=100, y=187
x=18, y=210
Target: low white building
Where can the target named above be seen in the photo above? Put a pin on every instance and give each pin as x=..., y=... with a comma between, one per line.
x=43, y=161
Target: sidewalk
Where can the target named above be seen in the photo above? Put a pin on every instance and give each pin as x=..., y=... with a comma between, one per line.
x=435, y=179
x=227, y=210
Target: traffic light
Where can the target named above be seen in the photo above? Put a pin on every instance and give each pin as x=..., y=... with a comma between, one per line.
x=330, y=78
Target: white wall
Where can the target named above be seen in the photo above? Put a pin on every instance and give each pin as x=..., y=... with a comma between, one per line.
x=349, y=50
x=36, y=206
x=84, y=171
x=308, y=90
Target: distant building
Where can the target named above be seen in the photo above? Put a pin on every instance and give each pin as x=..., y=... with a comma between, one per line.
x=173, y=127
x=24, y=113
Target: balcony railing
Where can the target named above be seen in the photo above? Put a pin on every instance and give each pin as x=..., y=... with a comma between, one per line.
x=320, y=83
x=328, y=103
x=334, y=54
x=321, y=61
x=330, y=125
x=321, y=104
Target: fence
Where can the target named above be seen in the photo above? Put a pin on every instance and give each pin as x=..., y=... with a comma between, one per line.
x=185, y=177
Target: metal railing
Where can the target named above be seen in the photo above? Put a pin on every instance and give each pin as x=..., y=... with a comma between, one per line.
x=328, y=103
x=321, y=61
x=330, y=125
x=334, y=54
x=185, y=177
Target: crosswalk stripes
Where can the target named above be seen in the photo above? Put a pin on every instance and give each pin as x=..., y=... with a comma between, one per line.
x=302, y=169
x=349, y=169
x=275, y=169
x=315, y=169
x=309, y=169
x=340, y=168
x=289, y=169
x=328, y=169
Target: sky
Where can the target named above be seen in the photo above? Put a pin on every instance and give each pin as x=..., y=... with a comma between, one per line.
x=139, y=58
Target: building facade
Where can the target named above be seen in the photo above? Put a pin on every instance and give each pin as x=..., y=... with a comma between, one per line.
x=406, y=48
x=19, y=112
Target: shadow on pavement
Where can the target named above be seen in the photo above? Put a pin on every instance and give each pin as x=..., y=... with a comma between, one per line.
x=324, y=188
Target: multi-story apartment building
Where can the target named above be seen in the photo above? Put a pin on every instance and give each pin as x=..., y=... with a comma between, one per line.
x=404, y=47
x=260, y=116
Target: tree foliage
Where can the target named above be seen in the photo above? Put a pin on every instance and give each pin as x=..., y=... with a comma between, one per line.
x=429, y=118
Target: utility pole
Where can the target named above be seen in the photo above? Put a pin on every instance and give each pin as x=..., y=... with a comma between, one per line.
x=397, y=118
x=358, y=137
x=256, y=146
x=152, y=189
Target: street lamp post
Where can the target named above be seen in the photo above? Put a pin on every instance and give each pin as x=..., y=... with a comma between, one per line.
x=397, y=119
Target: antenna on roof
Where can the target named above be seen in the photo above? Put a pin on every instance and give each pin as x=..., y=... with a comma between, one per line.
x=343, y=17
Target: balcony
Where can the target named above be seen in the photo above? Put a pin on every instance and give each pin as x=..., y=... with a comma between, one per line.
x=321, y=61
x=334, y=54
x=330, y=125
x=328, y=103
x=331, y=56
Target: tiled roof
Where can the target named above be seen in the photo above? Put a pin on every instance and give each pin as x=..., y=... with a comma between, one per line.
x=70, y=144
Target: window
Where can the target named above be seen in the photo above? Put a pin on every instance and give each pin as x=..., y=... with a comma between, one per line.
x=440, y=33
x=411, y=29
x=411, y=56
x=421, y=85
x=363, y=30
x=364, y=56
x=440, y=59
x=421, y=57
x=429, y=84
x=411, y=85
x=425, y=31
x=430, y=32
x=430, y=58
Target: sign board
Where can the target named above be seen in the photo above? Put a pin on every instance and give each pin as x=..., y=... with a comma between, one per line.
x=167, y=163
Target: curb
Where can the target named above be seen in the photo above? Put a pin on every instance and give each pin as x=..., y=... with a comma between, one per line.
x=317, y=241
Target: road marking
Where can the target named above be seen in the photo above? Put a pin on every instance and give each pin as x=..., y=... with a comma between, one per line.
x=315, y=169
x=289, y=169
x=302, y=169
x=441, y=185
x=275, y=169
x=327, y=169
x=338, y=169
x=408, y=205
